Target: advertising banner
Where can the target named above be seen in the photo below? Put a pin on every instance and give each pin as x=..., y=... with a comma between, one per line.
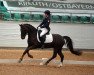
x=51, y=5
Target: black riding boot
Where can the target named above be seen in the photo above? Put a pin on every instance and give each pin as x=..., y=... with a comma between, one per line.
x=42, y=42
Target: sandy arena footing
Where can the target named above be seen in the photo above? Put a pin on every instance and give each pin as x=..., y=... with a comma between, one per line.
x=6, y=61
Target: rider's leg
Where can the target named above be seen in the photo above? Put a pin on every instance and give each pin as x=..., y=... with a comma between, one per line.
x=42, y=35
x=42, y=41
x=44, y=31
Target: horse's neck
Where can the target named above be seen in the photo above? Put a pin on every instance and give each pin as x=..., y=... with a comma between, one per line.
x=32, y=35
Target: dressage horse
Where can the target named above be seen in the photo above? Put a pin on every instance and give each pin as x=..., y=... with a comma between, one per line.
x=57, y=43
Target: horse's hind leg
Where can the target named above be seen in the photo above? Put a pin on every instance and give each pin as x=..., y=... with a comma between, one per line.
x=54, y=55
x=61, y=56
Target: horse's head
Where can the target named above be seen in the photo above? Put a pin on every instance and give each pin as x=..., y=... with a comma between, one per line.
x=25, y=29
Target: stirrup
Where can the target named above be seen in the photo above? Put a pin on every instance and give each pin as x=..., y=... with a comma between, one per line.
x=42, y=47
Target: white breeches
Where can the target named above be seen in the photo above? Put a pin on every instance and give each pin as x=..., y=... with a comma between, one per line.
x=44, y=31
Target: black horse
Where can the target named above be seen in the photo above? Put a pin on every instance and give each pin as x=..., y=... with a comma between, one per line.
x=57, y=44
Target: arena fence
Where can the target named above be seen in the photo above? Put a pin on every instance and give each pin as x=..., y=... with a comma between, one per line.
x=63, y=17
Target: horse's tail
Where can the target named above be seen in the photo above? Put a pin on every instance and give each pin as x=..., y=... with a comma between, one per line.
x=69, y=43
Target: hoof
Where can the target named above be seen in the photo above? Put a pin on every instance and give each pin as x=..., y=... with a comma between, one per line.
x=43, y=64
x=19, y=60
x=44, y=60
x=46, y=64
x=60, y=65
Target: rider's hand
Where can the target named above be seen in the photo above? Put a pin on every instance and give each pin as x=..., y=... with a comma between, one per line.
x=42, y=27
x=38, y=27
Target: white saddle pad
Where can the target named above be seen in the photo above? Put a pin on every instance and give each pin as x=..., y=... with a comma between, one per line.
x=49, y=38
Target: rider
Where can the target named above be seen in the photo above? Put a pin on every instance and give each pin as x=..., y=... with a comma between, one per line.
x=45, y=26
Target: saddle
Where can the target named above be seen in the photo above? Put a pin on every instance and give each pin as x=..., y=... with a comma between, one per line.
x=48, y=37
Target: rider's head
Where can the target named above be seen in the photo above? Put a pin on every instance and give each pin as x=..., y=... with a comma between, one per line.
x=47, y=13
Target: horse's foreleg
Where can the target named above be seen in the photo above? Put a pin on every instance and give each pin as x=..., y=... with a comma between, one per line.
x=26, y=51
x=29, y=55
x=23, y=55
